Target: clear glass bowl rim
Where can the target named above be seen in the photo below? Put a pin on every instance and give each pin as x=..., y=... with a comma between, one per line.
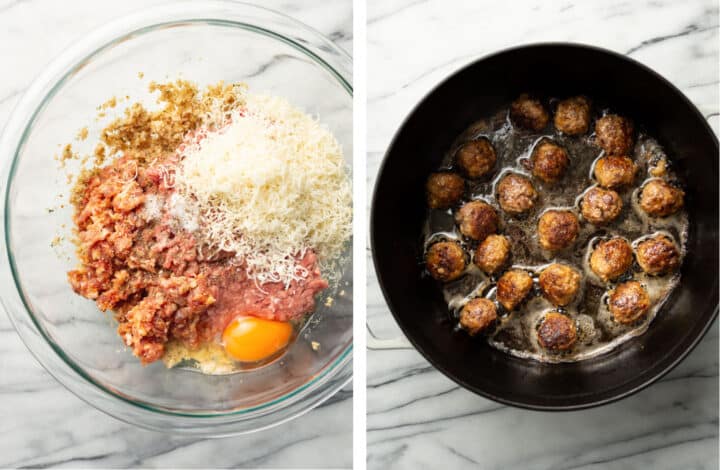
x=226, y=13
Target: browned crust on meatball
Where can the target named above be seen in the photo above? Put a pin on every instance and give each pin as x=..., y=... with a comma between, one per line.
x=657, y=255
x=477, y=220
x=445, y=261
x=557, y=332
x=492, y=253
x=629, y=302
x=444, y=190
x=476, y=158
x=478, y=315
x=614, y=134
x=611, y=258
x=513, y=287
x=516, y=194
x=559, y=284
x=572, y=116
x=615, y=171
x=601, y=206
x=549, y=162
x=557, y=229
x=660, y=199
x=529, y=113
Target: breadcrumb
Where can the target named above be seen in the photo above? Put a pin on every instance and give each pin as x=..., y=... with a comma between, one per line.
x=150, y=135
x=67, y=154
x=111, y=103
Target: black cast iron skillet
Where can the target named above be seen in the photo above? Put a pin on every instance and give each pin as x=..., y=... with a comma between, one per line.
x=398, y=211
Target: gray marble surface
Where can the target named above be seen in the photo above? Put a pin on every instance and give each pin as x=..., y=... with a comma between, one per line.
x=418, y=418
x=41, y=423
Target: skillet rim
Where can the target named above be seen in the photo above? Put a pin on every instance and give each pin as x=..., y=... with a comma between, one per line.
x=591, y=403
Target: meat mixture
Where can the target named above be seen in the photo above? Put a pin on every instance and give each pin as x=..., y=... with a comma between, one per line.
x=151, y=272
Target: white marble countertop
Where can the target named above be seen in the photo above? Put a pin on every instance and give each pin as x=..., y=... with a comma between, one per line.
x=41, y=423
x=418, y=418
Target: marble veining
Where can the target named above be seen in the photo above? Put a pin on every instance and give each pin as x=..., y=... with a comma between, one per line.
x=418, y=418
x=44, y=425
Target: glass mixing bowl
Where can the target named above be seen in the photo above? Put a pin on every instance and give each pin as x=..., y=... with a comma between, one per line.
x=203, y=42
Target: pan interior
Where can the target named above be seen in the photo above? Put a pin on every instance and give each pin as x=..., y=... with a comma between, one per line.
x=398, y=213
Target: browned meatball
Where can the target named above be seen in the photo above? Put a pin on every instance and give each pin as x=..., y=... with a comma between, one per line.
x=615, y=171
x=557, y=332
x=445, y=261
x=629, y=302
x=444, y=190
x=572, y=116
x=611, y=258
x=476, y=158
x=660, y=199
x=513, y=287
x=557, y=229
x=516, y=194
x=600, y=206
x=559, y=283
x=478, y=315
x=657, y=255
x=477, y=220
x=492, y=253
x=614, y=134
x=529, y=113
x=549, y=162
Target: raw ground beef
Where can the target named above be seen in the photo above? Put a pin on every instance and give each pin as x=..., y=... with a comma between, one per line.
x=150, y=274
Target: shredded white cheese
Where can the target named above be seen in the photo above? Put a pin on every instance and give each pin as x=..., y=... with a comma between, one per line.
x=268, y=186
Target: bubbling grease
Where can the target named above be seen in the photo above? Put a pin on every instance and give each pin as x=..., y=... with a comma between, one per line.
x=598, y=332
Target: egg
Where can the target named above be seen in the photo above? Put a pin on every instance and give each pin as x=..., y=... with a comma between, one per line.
x=251, y=339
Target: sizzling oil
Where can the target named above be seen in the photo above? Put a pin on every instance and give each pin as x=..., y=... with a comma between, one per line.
x=598, y=333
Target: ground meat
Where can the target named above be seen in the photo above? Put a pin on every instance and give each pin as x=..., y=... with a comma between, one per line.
x=516, y=194
x=445, y=261
x=477, y=220
x=492, y=253
x=611, y=258
x=513, y=287
x=660, y=199
x=600, y=206
x=572, y=116
x=529, y=113
x=658, y=255
x=549, y=162
x=557, y=229
x=614, y=134
x=444, y=190
x=629, y=302
x=557, y=332
x=478, y=315
x=476, y=158
x=614, y=171
x=236, y=294
x=559, y=283
x=148, y=271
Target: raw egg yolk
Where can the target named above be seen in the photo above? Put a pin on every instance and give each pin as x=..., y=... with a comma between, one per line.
x=250, y=339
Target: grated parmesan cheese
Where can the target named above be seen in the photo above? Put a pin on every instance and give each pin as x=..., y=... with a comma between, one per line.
x=268, y=185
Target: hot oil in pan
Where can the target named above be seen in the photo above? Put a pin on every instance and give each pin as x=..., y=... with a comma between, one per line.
x=597, y=331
